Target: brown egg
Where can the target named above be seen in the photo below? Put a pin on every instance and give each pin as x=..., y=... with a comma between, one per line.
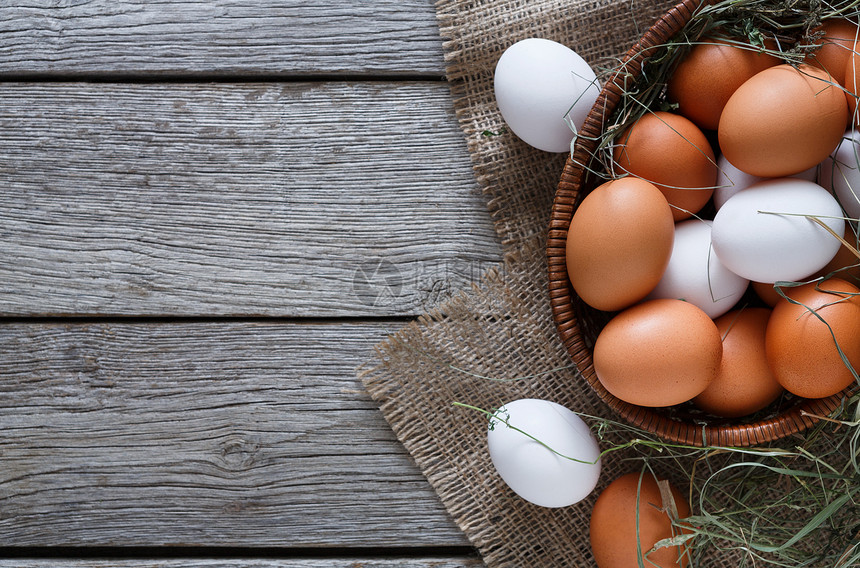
x=836, y=46
x=852, y=84
x=800, y=347
x=767, y=293
x=745, y=383
x=782, y=121
x=846, y=263
x=710, y=73
x=612, y=530
x=658, y=353
x=619, y=243
x=672, y=153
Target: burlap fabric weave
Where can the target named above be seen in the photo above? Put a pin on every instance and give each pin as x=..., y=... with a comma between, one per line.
x=497, y=342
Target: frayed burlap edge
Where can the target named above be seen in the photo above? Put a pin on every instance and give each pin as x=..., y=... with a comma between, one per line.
x=485, y=347
x=497, y=342
x=519, y=180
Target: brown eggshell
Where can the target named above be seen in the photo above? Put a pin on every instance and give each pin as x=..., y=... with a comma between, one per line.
x=766, y=292
x=800, y=347
x=612, y=530
x=619, y=243
x=658, y=353
x=710, y=73
x=744, y=383
x=782, y=121
x=846, y=263
x=836, y=46
x=672, y=153
x=852, y=84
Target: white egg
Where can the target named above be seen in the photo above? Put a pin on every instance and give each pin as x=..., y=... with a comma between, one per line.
x=540, y=87
x=731, y=180
x=532, y=466
x=841, y=173
x=696, y=275
x=763, y=234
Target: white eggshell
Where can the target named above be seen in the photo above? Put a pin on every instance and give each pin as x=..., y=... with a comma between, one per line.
x=841, y=173
x=530, y=468
x=762, y=233
x=696, y=275
x=731, y=180
x=538, y=82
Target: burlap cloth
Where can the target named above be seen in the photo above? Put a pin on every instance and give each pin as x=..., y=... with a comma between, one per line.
x=497, y=342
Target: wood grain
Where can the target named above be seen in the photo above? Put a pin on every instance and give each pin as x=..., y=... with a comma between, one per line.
x=327, y=199
x=369, y=562
x=273, y=186
x=196, y=38
x=196, y=434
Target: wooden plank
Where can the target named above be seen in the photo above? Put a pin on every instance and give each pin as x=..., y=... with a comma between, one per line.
x=224, y=38
x=430, y=562
x=276, y=199
x=196, y=434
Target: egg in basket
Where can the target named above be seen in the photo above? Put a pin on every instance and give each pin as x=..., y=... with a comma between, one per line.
x=702, y=247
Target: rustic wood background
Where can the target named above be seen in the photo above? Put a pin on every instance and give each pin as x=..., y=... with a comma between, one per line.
x=211, y=212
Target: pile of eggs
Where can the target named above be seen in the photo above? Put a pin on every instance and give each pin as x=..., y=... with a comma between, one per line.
x=780, y=185
x=747, y=182
x=716, y=247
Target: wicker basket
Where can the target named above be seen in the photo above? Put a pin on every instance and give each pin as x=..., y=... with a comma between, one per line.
x=579, y=324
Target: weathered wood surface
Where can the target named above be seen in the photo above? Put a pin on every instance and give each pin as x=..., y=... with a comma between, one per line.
x=278, y=199
x=369, y=562
x=220, y=434
x=273, y=187
x=228, y=37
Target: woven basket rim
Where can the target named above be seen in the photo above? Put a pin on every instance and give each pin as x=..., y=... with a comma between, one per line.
x=571, y=187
